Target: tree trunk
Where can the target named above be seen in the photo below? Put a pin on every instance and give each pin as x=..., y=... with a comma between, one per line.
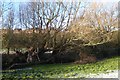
x=8, y=51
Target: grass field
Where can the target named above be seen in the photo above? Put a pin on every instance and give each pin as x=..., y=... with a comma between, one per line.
x=68, y=70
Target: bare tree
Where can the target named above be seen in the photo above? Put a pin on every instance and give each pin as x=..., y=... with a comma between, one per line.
x=9, y=23
x=100, y=17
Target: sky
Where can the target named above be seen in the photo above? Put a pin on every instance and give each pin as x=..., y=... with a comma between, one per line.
x=17, y=2
x=62, y=0
x=104, y=0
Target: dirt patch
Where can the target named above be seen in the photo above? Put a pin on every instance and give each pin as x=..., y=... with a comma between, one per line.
x=86, y=58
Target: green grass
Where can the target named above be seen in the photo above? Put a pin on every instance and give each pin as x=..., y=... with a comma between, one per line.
x=68, y=70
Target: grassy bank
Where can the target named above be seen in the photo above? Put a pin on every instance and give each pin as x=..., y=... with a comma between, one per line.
x=68, y=70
